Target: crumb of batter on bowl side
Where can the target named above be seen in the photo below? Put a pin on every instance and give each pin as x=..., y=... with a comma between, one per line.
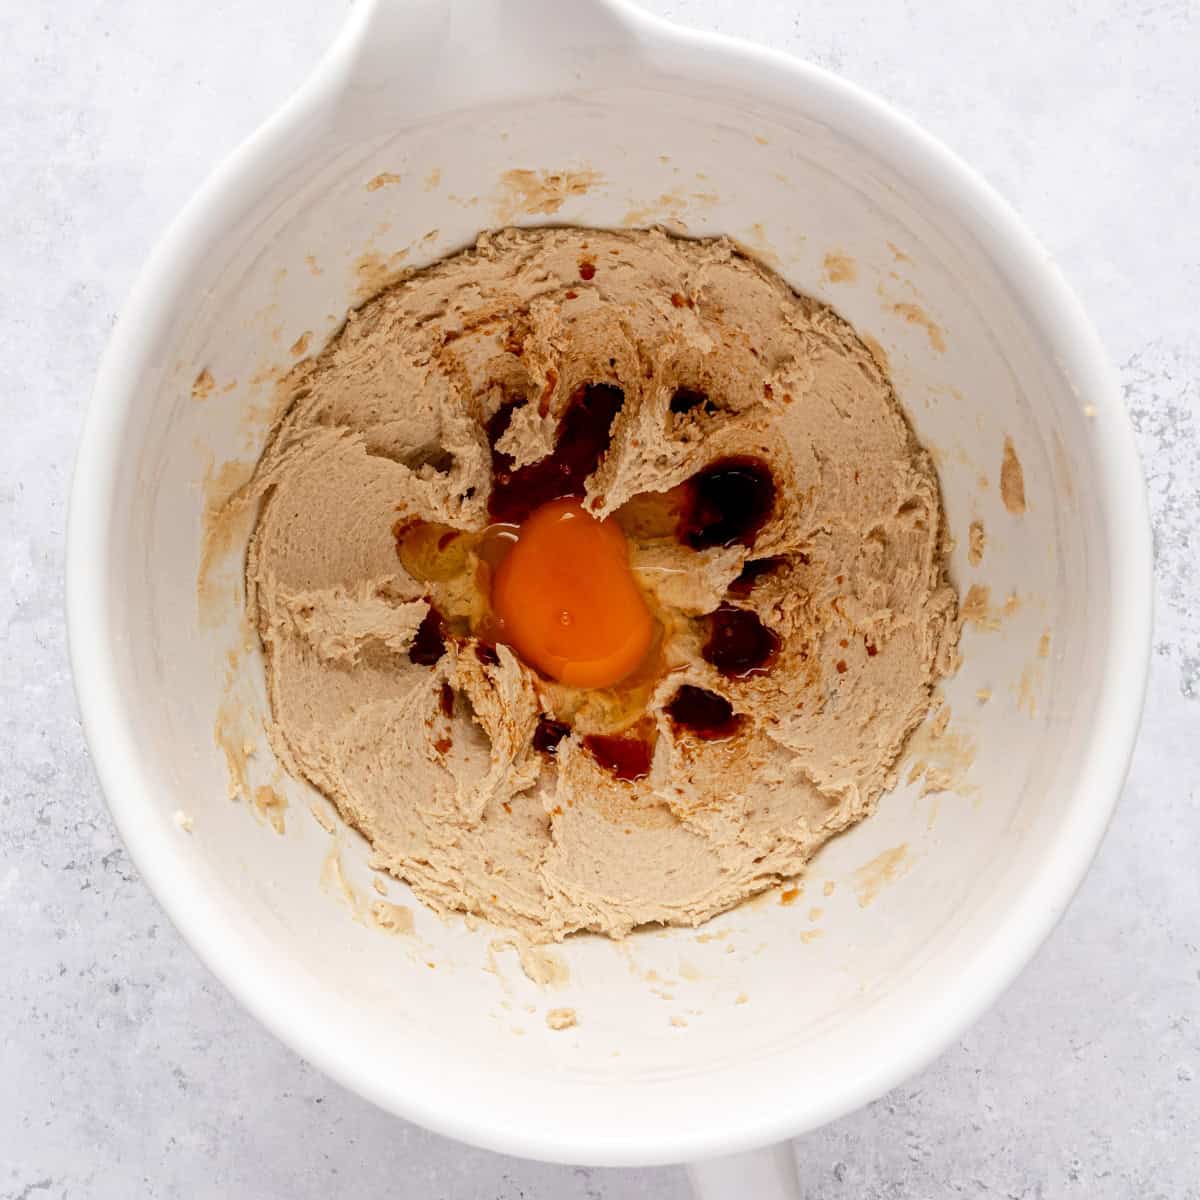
x=562, y=1018
x=540, y=192
x=203, y=385
x=976, y=608
x=1012, y=480
x=840, y=268
x=600, y=579
x=886, y=867
x=914, y=314
x=1028, y=687
x=271, y=805
x=391, y=918
x=940, y=756
x=977, y=544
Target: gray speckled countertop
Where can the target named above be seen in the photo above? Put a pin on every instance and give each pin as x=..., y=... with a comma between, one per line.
x=126, y=1071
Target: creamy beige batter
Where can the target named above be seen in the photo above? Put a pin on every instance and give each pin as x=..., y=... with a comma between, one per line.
x=388, y=424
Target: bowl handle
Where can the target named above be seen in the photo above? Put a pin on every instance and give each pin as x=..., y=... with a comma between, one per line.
x=422, y=52
x=768, y=1174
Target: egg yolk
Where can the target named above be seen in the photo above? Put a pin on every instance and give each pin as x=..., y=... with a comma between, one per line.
x=567, y=600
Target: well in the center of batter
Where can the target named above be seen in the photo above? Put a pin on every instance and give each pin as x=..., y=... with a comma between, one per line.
x=601, y=579
x=555, y=582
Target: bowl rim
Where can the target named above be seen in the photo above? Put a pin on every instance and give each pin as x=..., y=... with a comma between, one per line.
x=1038, y=286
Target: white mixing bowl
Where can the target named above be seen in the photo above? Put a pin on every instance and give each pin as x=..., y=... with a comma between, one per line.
x=772, y=1019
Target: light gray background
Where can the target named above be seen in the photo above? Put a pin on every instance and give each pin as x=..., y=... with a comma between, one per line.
x=126, y=1071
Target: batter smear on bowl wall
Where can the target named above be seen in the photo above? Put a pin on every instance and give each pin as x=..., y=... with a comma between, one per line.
x=600, y=579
